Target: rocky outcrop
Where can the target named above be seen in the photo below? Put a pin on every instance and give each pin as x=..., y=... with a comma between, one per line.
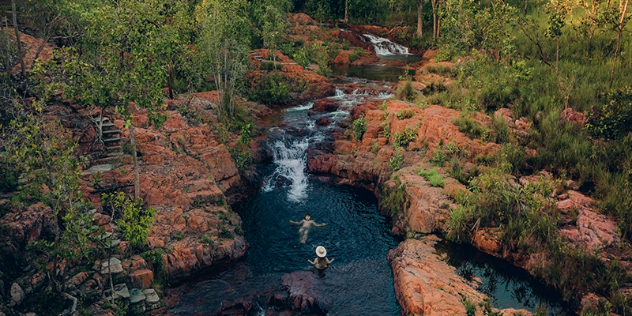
x=34, y=48
x=427, y=285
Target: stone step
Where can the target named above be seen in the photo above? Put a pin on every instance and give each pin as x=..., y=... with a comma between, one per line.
x=112, y=131
x=110, y=140
x=113, y=148
x=115, y=154
x=116, y=160
x=107, y=125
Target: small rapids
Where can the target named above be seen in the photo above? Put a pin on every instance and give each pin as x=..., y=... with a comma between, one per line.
x=384, y=47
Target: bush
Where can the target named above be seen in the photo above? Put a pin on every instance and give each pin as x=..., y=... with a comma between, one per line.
x=433, y=176
x=614, y=118
x=396, y=161
x=136, y=221
x=405, y=113
x=359, y=127
x=394, y=197
x=404, y=137
x=470, y=127
x=270, y=89
x=406, y=92
x=155, y=257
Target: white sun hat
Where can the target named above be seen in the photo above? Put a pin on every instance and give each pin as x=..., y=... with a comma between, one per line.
x=321, y=251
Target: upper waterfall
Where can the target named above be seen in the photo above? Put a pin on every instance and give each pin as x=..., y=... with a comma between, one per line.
x=384, y=47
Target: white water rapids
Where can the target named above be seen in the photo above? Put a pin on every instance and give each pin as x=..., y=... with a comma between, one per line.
x=384, y=47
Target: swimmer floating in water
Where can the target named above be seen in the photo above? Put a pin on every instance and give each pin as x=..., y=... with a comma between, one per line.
x=307, y=223
x=321, y=262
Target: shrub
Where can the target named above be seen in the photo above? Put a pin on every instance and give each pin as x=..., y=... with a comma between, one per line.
x=359, y=127
x=396, y=161
x=136, y=221
x=405, y=113
x=406, y=136
x=406, y=92
x=614, y=118
x=433, y=176
x=270, y=89
x=470, y=127
x=394, y=198
x=155, y=257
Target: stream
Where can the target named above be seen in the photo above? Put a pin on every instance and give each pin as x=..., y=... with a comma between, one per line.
x=357, y=237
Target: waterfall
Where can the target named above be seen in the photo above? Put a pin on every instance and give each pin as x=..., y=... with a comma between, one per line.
x=384, y=47
x=290, y=158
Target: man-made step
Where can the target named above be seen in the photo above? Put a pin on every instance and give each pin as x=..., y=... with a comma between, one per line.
x=109, y=140
x=105, y=119
x=115, y=154
x=107, y=125
x=112, y=131
x=114, y=148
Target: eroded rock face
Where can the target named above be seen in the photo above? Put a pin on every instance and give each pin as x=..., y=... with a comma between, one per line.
x=426, y=285
x=591, y=230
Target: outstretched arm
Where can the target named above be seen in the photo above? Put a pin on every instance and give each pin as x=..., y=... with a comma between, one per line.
x=330, y=261
x=320, y=225
x=311, y=261
x=296, y=223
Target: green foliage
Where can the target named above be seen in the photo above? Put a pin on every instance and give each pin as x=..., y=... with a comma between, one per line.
x=406, y=92
x=136, y=221
x=470, y=127
x=403, y=138
x=155, y=257
x=394, y=197
x=226, y=233
x=396, y=161
x=470, y=307
x=359, y=127
x=270, y=89
x=433, y=176
x=438, y=157
x=239, y=231
x=614, y=118
x=405, y=114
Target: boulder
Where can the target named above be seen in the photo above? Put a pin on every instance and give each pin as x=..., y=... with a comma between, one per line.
x=142, y=278
x=17, y=294
x=113, y=266
x=137, y=296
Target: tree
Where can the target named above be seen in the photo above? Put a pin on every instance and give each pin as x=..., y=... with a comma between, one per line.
x=224, y=34
x=17, y=37
x=41, y=153
x=136, y=221
x=622, y=23
x=420, y=19
x=557, y=14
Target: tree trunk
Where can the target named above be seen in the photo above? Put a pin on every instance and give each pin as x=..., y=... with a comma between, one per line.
x=434, y=20
x=419, y=17
x=7, y=62
x=526, y=6
x=17, y=38
x=346, y=11
x=616, y=52
x=557, y=55
x=136, y=171
x=170, y=80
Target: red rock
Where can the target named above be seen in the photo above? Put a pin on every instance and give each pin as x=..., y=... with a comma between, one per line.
x=325, y=105
x=425, y=284
x=486, y=240
x=323, y=121
x=79, y=278
x=142, y=278
x=569, y=115
x=342, y=58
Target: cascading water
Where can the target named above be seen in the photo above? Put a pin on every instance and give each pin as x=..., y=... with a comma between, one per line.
x=289, y=156
x=384, y=47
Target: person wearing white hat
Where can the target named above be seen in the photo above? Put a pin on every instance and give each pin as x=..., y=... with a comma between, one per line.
x=306, y=224
x=321, y=262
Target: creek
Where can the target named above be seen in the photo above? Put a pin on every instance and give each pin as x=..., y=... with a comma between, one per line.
x=357, y=236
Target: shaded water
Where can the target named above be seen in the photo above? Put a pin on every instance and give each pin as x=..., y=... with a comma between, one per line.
x=506, y=285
